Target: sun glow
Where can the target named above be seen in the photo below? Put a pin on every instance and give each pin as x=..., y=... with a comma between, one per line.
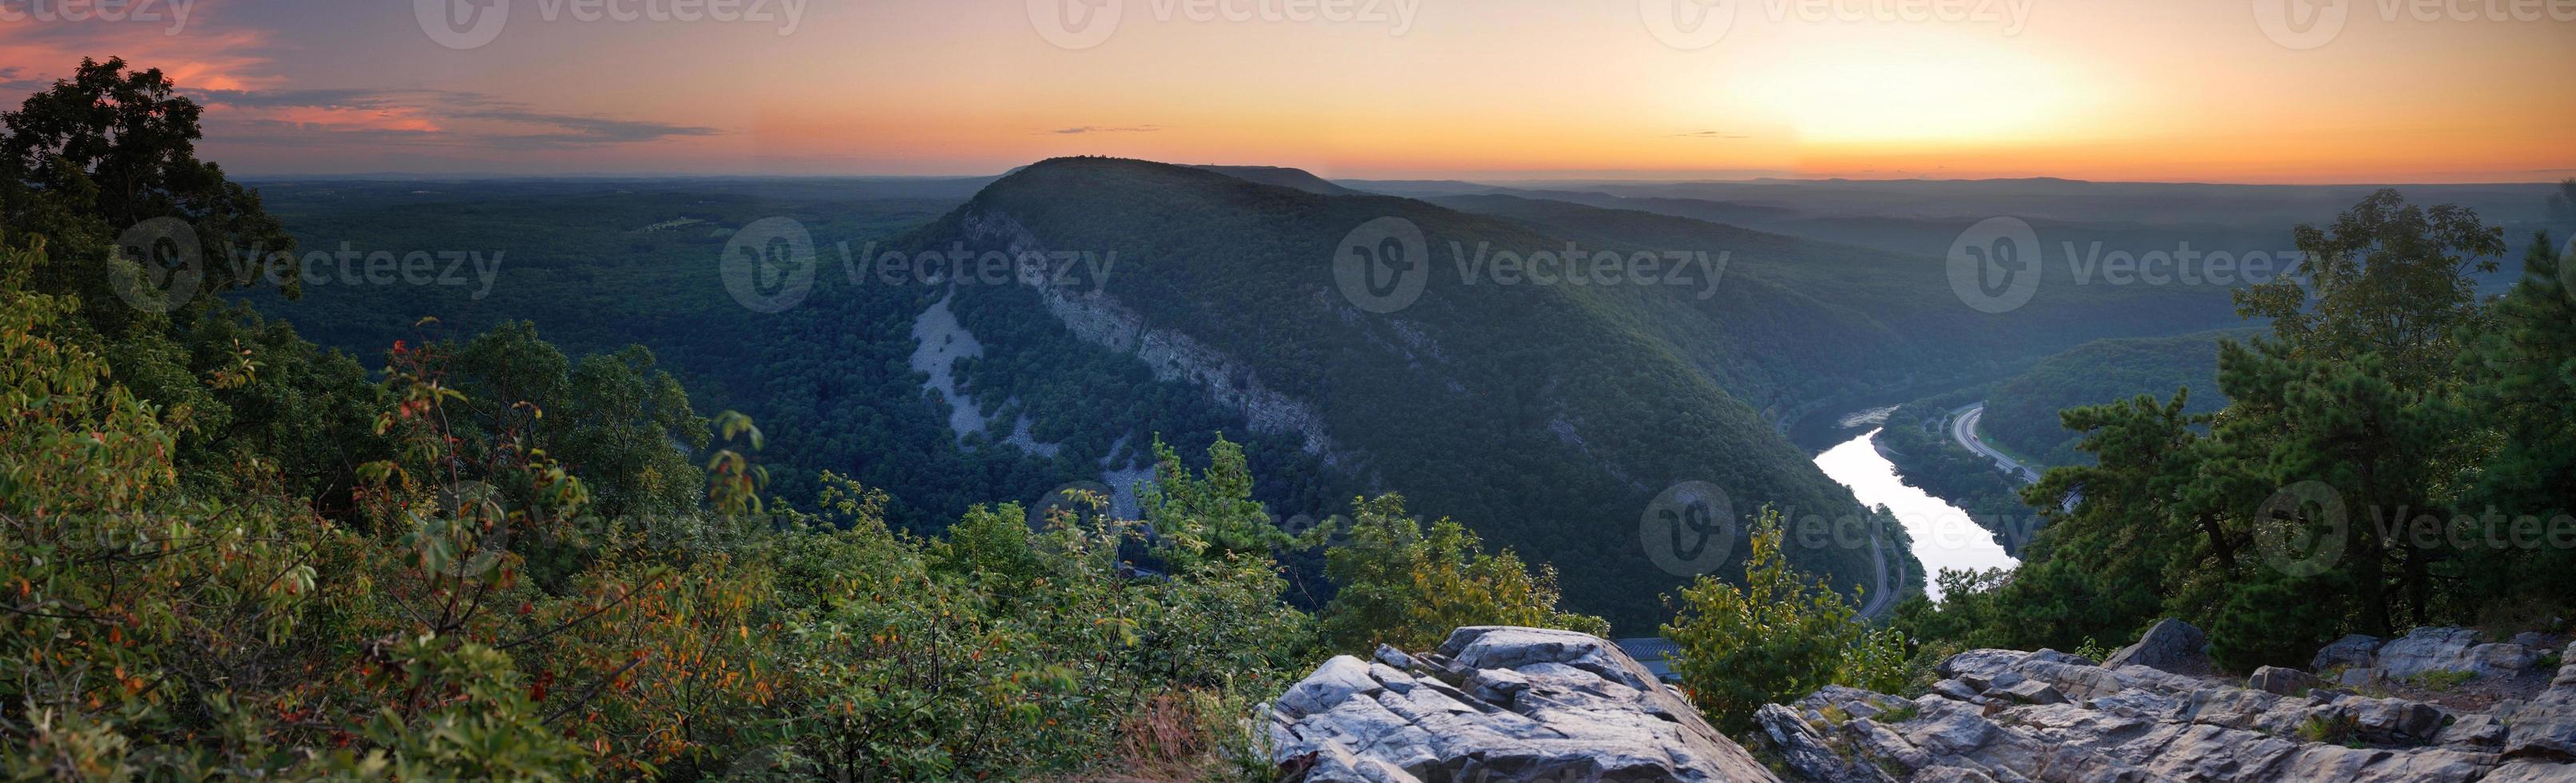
x=1875, y=96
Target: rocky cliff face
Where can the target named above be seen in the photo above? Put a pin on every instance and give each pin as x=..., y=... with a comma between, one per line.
x=1524, y=704
x=1497, y=704
x=1099, y=319
x=2006, y=715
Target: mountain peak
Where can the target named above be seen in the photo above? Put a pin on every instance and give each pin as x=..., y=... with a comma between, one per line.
x=1283, y=176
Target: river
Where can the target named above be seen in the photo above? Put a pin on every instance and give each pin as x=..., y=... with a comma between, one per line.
x=1943, y=535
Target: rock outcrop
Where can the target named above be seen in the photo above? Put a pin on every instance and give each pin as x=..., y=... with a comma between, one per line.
x=1497, y=704
x=2430, y=650
x=2006, y=715
x=2172, y=645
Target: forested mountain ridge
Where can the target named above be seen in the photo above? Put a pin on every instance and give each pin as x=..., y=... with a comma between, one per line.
x=1546, y=416
x=1806, y=325
x=237, y=554
x=1285, y=177
x=2022, y=412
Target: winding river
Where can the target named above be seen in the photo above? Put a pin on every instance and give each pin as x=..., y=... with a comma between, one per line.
x=1943, y=535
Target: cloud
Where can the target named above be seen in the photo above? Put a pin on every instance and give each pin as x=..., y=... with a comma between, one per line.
x=250, y=100
x=195, y=54
x=574, y=129
x=1101, y=129
x=423, y=116
x=17, y=80
x=1710, y=134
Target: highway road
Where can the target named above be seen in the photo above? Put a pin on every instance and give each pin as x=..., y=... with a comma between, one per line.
x=1963, y=428
x=1883, y=597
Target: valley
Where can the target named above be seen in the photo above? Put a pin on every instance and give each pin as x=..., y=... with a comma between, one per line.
x=1711, y=374
x=1123, y=390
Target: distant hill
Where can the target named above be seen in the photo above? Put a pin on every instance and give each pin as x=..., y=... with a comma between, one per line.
x=1283, y=177
x=1546, y=416
x=2022, y=412
x=1803, y=326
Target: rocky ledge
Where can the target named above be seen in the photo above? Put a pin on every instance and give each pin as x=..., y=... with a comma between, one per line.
x=1497, y=704
x=2151, y=713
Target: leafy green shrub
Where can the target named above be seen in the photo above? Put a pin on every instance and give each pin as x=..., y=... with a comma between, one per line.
x=2442, y=681
x=1404, y=586
x=1779, y=637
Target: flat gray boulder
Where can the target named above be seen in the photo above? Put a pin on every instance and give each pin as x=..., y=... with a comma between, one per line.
x=2357, y=651
x=2140, y=723
x=1499, y=704
x=2172, y=645
x=2433, y=650
x=2285, y=682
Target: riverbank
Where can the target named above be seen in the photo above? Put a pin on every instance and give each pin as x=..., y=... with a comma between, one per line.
x=1942, y=535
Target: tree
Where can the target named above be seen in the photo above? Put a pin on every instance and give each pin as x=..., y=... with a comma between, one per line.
x=1778, y=638
x=2386, y=278
x=1212, y=513
x=2346, y=434
x=1406, y=587
x=2523, y=397
x=110, y=148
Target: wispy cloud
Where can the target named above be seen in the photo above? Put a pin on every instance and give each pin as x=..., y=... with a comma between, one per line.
x=17, y=80
x=1103, y=129
x=575, y=129
x=428, y=117
x=1710, y=134
x=250, y=100
x=206, y=56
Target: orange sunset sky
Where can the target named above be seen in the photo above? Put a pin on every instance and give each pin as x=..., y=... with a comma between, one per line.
x=2175, y=90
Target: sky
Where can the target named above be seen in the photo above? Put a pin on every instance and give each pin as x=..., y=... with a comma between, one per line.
x=2264, y=91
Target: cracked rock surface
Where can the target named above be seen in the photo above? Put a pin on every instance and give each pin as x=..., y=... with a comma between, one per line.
x=1497, y=704
x=2006, y=715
